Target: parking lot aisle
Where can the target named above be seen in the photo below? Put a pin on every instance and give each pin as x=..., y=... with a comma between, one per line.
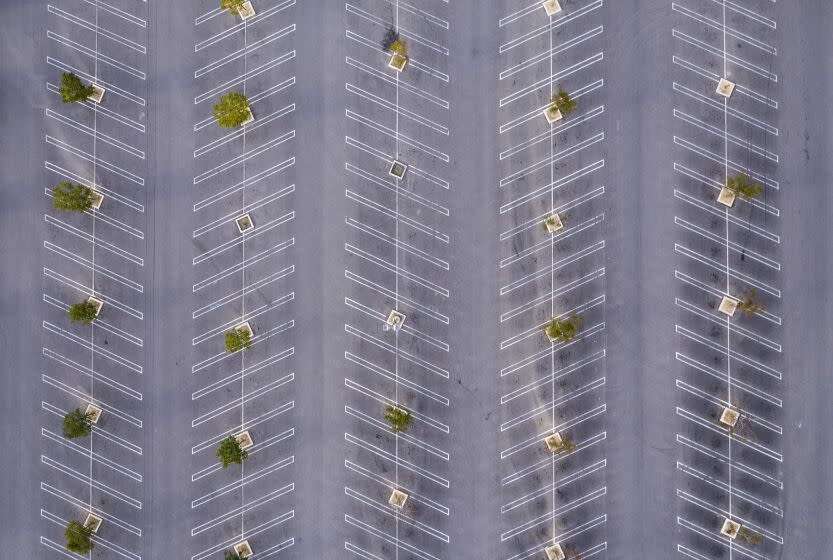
x=97, y=256
x=731, y=370
x=553, y=202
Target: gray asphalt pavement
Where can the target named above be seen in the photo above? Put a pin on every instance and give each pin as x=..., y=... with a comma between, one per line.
x=457, y=245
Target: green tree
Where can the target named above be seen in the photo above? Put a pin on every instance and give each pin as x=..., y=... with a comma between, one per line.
x=78, y=538
x=233, y=6
x=84, y=312
x=399, y=47
x=563, y=330
x=740, y=185
x=562, y=101
x=77, y=424
x=72, y=198
x=232, y=109
x=237, y=339
x=231, y=555
x=749, y=303
x=398, y=418
x=229, y=452
x=73, y=89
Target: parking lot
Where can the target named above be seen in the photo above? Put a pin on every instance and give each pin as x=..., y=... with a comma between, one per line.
x=736, y=363
x=244, y=277
x=98, y=253
x=397, y=241
x=552, y=498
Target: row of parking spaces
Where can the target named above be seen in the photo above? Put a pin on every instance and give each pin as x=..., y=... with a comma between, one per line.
x=552, y=281
x=396, y=273
x=244, y=270
x=727, y=296
x=93, y=257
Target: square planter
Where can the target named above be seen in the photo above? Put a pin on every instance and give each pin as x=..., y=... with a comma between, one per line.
x=93, y=412
x=246, y=11
x=97, y=95
x=395, y=319
x=554, y=223
x=96, y=199
x=730, y=529
x=243, y=549
x=554, y=552
x=727, y=197
x=244, y=223
x=245, y=327
x=725, y=88
x=554, y=442
x=397, y=498
x=552, y=114
x=250, y=118
x=97, y=303
x=552, y=7
x=244, y=438
x=729, y=417
x=92, y=522
x=728, y=306
x=397, y=62
x=397, y=169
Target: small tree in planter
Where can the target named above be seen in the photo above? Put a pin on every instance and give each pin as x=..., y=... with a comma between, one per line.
x=77, y=424
x=742, y=187
x=233, y=6
x=399, y=54
x=238, y=339
x=84, y=312
x=749, y=304
x=562, y=101
x=72, y=198
x=563, y=330
x=78, y=538
x=231, y=555
x=73, y=89
x=230, y=452
x=232, y=110
x=398, y=418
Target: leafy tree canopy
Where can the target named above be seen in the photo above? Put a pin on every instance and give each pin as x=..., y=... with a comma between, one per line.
x=72, y=197
x=73, y=89
x=563, y=330
x=237, y=339
x=77, y=424
x=398, y=418
x=230, y=452
x=232, y=109
x=399, y=47
x=562, y=101
x=741, y=186
x=78, y=538
x=84, y=312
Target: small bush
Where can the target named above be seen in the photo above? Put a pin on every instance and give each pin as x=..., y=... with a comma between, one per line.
x=73, y=89
x=399, y=47
x=76, y=424
x=563, y=330
x=230, y=452
x=398, y=418
x=84, y=312
x=233, y=6
x=78, y=538
x=740, y=185
x=237, y=339
x=563, y=102
x=232, y=109
x=72, y=198
x=749, y=303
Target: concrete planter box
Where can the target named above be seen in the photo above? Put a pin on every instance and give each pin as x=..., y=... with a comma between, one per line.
x=395, y=319
x=97, y=303
x=552, y=7
x=554, y=442
x=727, y=197
x=397, y=169
x=397, y=499
x=725, y=88
x=554, y=552
x=97, y=95
x=728, y=306
x=243, y=549
x=729, y=417
x=730, y=529
x=554, y=224
x=244, y=439
x=92, y=522
x=93, y=413
x=245, y=327
x=250, y=118
x=397, y=62
x=96, y=199
x=552, y=114
x=244, y=223
x=246, y=11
